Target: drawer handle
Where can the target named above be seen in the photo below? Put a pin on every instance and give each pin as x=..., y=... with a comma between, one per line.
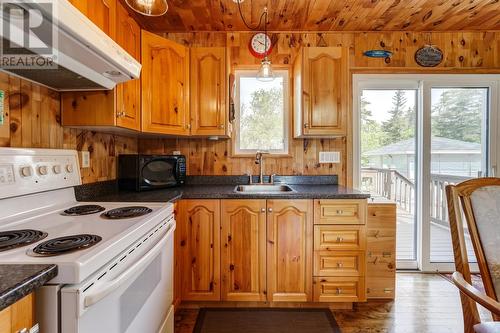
x=340, y=265
x=386, y=254
x=387, y=290
x=340, y=239
x=340, y=211
x=339, y=291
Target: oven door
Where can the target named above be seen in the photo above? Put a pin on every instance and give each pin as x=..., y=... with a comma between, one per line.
x=132, y=294
x=158, y=172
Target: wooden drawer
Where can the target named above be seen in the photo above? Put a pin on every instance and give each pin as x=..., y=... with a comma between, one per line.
x=335, y=237
x=380, y=287
x=337, y=211
x=380, y=264
x=339, y=289
x=339, y=263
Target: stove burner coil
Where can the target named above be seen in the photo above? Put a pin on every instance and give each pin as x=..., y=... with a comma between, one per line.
x=83, y=210
x=126, y=212
x=16, y=238
x=63, y=245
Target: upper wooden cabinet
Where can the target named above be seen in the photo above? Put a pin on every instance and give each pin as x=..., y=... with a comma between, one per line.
x=321, y=92
x=208, y=91
x=101, y=12
x=289, y=250
x=165, y=86
x=108, y=109
x=243, y=251
x=199, y=223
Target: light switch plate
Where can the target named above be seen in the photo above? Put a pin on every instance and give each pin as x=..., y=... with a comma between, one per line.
x=329, y=157
x=85, y=159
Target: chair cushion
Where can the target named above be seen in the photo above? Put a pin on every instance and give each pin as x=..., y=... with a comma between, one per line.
x=488, y=327
x=486, y=207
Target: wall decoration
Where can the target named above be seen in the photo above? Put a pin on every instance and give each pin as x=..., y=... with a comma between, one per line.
x=428, y=56
x=377, y=53
x=260, y=45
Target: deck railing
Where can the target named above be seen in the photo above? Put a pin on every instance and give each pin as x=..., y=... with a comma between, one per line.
x=391, y=184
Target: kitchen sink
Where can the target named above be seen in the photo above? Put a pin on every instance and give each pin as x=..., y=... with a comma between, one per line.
x=263, y=188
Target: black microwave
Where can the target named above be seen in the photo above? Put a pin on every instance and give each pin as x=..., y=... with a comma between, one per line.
x=147, y=172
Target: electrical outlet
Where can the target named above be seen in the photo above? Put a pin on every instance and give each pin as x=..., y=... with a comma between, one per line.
x=329, y=157
x=85, y=159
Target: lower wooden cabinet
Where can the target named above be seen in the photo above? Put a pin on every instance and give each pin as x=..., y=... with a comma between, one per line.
x=243, y=250
x=381, y=250
x=18, y=316
x=289, y=250
x=200, y=249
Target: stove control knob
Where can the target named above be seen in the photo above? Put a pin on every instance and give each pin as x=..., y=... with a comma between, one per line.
x=56, y=169
x=42, y=170
x=69, y=168
x=26, y=171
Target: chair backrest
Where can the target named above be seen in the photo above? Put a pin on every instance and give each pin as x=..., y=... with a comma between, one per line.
x=479, y=201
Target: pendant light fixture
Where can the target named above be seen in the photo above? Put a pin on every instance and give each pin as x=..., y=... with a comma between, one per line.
x=265, y=73
x=148, y=7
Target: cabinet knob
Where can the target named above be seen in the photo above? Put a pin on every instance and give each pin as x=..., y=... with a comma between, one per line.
x=340, y=239
x=221, y=126
x=339, y=291
x=270, y=210
x=340, y=212
x=339, y=265
x=306, y=125
x=263, y=210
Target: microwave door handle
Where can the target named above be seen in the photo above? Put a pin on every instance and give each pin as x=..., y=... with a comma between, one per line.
x=109, y=287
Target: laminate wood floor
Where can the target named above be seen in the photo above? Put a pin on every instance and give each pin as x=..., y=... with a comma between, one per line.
x=424, y=303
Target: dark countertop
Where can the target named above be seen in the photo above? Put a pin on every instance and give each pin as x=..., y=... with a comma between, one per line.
x=218, y=188
x=17, y=281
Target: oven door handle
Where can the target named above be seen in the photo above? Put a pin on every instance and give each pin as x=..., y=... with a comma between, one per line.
x=109, y=287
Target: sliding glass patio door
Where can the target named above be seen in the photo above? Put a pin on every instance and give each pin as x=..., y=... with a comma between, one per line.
x=417, y=134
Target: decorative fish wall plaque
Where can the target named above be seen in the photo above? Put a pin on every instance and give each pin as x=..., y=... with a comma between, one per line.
x=377, y=53
x=428, y=56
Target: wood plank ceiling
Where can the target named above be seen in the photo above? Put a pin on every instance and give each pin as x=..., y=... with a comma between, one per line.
x=330, y=15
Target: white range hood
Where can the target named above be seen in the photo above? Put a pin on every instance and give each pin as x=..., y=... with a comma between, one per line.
x=86, y=58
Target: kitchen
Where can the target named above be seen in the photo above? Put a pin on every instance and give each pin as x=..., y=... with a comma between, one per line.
x=191, y=160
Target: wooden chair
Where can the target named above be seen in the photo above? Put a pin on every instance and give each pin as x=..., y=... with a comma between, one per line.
x=479, y=201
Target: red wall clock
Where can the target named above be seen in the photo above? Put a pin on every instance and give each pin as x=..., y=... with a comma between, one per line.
x=258, y=43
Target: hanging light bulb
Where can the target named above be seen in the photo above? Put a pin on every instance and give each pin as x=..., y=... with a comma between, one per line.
x=148, y=7
x=266, y=71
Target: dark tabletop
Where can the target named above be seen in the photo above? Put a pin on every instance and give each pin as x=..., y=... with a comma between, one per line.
x=17, y=281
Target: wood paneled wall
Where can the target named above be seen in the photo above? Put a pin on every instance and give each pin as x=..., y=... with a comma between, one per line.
x=33, y=112
x=465, y=52
x=33, y=119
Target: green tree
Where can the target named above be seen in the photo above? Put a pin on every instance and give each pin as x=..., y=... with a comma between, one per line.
x=262, y=121
x=458, y=114
x=399, y=126
x=371, y=134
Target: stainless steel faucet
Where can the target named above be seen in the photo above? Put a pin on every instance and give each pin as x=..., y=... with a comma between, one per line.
x=259, y=159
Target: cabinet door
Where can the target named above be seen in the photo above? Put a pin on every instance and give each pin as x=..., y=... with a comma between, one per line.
x=243, y=252
x=103, y=14
x=289, y=250
x=200, y=249
x=81, y=5
x=325, y=83
x=128, y=94
x=165, y=86
x=208, y=91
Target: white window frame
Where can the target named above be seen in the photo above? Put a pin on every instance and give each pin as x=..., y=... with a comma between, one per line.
x=283, y=73
x=424, y=83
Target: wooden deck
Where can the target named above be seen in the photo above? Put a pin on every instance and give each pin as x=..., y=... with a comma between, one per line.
x=441, y=248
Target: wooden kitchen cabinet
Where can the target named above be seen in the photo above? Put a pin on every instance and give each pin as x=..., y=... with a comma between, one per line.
x=165, y=86
x=339, y=211
x=381, y=250
x=102, y=13
x=289, y=250
x=243, y=250
x=199, y=223
x=18, y=316
x=209, y=116
x=119, y=108
x=321, y=85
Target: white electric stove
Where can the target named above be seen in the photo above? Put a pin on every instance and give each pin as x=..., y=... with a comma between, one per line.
x=115, y=260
